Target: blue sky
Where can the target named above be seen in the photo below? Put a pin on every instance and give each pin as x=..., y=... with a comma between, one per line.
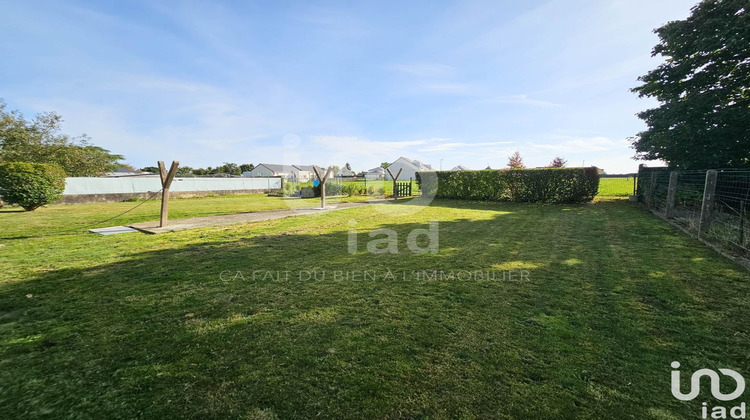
x=335, y=82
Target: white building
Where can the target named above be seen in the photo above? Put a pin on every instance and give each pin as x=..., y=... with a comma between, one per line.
x=460, y=168
x=344, y=173
x=301, y=173
x=375, y=173
x=408, y=167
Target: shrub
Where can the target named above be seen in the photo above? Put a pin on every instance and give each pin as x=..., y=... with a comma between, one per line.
x=548, y=185
x=31, y=185
x=332, y=188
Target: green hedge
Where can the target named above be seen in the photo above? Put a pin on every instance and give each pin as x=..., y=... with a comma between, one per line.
x=548, y=185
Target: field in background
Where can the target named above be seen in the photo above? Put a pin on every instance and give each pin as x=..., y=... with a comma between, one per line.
x=615, y=187
x=162, y=326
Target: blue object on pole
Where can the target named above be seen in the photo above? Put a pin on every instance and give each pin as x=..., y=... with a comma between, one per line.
x=316, y=183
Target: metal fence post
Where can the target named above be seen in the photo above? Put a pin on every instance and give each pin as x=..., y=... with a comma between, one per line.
x=669, y=213
x=709, y=198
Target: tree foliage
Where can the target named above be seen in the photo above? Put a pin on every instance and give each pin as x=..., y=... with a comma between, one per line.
x=515, y=161
x=703, y=87
x=558, y=162
x=31, y=185
x=40, y=140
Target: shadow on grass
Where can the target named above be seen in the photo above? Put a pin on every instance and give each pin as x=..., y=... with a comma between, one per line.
x=177, y=332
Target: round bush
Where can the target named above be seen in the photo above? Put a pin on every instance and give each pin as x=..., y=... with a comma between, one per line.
x=31, y=185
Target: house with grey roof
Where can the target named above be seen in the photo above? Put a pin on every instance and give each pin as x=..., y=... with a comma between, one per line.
x=408, y=167
x=301, y=173
x=375, y=173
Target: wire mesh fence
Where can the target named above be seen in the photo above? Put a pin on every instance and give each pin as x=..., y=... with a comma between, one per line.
x=711, y=204
x=349, y=186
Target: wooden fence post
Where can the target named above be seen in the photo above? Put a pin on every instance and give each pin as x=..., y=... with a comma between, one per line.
x=166, y=182
x=395, y=178
x=322, y=185
x=709, y=198
x=743, y=214
x=669, y=213
x=651, y=190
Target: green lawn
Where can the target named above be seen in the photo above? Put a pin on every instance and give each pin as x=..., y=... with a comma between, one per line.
x=615, y=187
x=144, y=326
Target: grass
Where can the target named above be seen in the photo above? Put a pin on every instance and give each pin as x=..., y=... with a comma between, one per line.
x=55, y=218
x=163, y=326
x=615, y=187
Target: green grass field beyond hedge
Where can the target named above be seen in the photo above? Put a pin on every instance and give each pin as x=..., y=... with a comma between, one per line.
x=162, y=326
x=615, y=187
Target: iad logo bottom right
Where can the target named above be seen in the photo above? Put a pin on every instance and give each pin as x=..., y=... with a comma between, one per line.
x=718, y=411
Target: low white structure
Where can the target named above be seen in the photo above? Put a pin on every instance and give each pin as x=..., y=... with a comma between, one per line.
x=375, y=173
x=460, y=168
x=408, y=167
x=147, y=184
x=344, y=173
x=301, y=173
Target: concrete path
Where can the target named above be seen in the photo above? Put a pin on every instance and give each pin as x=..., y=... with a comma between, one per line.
x=230, y=219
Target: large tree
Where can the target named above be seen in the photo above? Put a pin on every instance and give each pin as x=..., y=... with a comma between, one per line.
x=40, y=141
x=703, y=87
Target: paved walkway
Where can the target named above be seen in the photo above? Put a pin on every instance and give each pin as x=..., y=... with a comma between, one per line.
x=230, y=219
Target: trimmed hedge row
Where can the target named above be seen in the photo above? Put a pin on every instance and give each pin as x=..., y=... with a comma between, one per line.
x=548, y=185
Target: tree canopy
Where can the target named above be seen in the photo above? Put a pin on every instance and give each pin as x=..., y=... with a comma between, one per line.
x=558, y=162
x=703, y=120
x=515, y=161
x=40, y=141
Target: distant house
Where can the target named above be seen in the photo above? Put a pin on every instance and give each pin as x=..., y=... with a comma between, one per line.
x=344, y=173
x=375, y=173
x=301, y=173
x=460, y=168
x=125, y=171
x=304, y=173
x=408, y=167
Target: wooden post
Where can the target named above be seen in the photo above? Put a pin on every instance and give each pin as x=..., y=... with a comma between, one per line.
x=166, y=182
x=651, y=190
x=742, y=223
x=636, y=189
x=709, y=198
x=322, y=185
x=395, y=178
x=669, y=213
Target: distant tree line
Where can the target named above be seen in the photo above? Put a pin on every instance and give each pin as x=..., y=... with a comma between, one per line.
x=227, y=169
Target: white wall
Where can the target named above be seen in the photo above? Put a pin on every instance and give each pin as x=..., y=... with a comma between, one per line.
x=407, y=172
x=127, y=185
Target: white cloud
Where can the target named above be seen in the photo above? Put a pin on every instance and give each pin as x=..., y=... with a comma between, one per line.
x=445, y=147
x=566, y=144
